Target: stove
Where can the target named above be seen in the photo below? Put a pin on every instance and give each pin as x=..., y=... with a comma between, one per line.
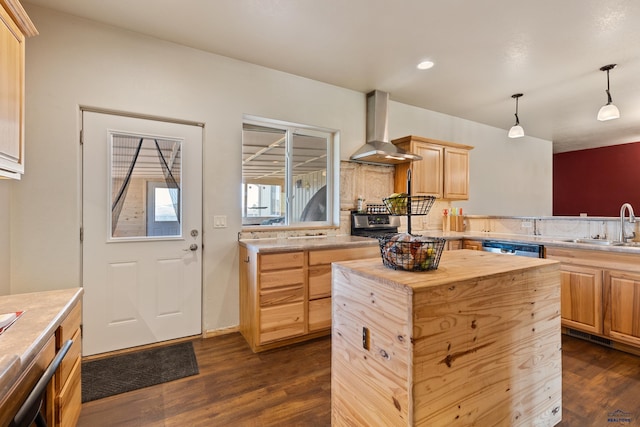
x=374, y=223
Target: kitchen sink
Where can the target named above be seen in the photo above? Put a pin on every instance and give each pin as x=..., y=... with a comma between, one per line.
x=631, y=244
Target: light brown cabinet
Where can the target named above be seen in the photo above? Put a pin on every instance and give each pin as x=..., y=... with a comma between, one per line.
x=285, y=297
x=622, y=306
x=475, y=245
x=453, y=245
x=581, y=298
x=600, y=293
x=68, y=392
x=15, y=25
x=63, y=397
x=443, y=171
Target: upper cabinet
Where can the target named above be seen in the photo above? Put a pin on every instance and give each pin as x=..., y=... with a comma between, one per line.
x=15, y=26
x=443, y=171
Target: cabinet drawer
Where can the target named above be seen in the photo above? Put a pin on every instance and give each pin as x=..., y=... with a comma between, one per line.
x=69, y=326
x=69, y=401
x=320, y=314
x=281, y=261
x=281, y=295
x=331, y=255
x=277, y=279
x=282, y=321
x=319, y=281
x=62, y=375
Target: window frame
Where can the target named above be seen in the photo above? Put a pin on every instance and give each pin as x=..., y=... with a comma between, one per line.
x=332, y=172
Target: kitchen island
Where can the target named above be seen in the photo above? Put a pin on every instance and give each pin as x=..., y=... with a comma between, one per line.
x=475, y=342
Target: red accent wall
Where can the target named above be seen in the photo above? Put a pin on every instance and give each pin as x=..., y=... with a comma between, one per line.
x=596, y=181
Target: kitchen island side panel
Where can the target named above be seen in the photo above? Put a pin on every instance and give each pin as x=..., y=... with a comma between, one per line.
x=369, y=385
x=489, y=352
x=482, y=348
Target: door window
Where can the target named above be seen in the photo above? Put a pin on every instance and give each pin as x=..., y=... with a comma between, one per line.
x=145, y=186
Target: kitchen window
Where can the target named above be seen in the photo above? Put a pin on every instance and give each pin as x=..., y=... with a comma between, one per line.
x=289, y=176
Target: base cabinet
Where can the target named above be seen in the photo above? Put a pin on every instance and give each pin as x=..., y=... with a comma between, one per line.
x=475, y=245
x=581, y=298
x=622, y=307
x=285, y=297
x=600, y=294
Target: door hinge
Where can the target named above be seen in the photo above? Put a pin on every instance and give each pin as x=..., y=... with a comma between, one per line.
x=81, y=234
x=81, y=137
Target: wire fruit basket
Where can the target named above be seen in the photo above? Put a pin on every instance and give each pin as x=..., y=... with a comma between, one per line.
x=412, y=253
x=403, y=204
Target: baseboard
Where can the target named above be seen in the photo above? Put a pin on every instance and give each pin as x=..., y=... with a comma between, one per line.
x=222, y=331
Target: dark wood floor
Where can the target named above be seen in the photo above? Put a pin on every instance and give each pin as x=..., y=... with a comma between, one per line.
x=291, y=387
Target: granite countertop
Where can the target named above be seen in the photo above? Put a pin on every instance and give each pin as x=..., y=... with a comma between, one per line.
x=307, y=243
x=21, y=342
x=566, y=242
x=329, y=242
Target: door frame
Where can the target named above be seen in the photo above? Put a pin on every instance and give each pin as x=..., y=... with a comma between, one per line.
x=85, y=108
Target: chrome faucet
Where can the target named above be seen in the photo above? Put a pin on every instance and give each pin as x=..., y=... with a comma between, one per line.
x=632, y=218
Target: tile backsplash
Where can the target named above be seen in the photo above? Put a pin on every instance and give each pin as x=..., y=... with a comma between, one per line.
x=373, y=183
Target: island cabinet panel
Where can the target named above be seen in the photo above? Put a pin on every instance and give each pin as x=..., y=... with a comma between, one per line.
x=476, y=342
x=622, y=307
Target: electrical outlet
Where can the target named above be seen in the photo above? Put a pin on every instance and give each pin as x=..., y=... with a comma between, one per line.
x=220, y=221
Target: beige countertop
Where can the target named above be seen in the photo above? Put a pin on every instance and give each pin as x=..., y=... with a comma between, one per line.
x=329, y=242
x=307, y=243
x=21, y=342
x=565, y=242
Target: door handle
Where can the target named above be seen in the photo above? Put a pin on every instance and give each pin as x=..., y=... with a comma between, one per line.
x=192, y=247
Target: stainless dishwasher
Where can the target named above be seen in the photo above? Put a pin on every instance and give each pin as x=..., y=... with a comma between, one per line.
x=513, y=248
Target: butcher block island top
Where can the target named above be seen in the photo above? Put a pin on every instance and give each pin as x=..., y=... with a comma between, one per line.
x=475, y=342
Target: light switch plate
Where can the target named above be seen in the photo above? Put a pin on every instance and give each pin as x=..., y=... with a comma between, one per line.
x=220, y=221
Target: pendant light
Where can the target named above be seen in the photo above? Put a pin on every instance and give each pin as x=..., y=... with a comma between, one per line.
x=516, y=130
x=608, y=111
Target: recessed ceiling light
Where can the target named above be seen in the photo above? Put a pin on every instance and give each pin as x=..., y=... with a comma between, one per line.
x=425, y=65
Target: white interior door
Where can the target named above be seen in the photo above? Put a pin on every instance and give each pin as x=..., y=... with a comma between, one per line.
x=141, y=252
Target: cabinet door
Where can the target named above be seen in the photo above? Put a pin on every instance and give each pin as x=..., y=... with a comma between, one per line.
x=319, y=314
x=281, y=321
x=622, y=306
x=472, y=244
x=453, y=245
x=456, y=174
x=427, y=178
x=11, y=97
x=581, y=298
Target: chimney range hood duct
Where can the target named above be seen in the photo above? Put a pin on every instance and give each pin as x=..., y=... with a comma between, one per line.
x=378, y=150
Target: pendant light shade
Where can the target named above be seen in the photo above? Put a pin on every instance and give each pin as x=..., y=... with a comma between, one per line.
x=516, y=130
x=608, y=111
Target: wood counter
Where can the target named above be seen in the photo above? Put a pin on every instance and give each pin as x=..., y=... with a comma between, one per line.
x=475, y=342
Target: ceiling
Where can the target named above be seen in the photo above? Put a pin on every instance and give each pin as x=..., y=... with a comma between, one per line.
x=484, y=51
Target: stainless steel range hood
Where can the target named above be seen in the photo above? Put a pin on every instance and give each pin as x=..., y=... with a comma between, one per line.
x=378, y=150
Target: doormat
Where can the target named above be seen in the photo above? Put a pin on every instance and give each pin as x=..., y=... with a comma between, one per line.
x=119, y=374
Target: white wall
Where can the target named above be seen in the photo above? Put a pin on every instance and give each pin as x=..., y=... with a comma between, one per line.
x=76, y=62
x=507, y=176
x=5, y=186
